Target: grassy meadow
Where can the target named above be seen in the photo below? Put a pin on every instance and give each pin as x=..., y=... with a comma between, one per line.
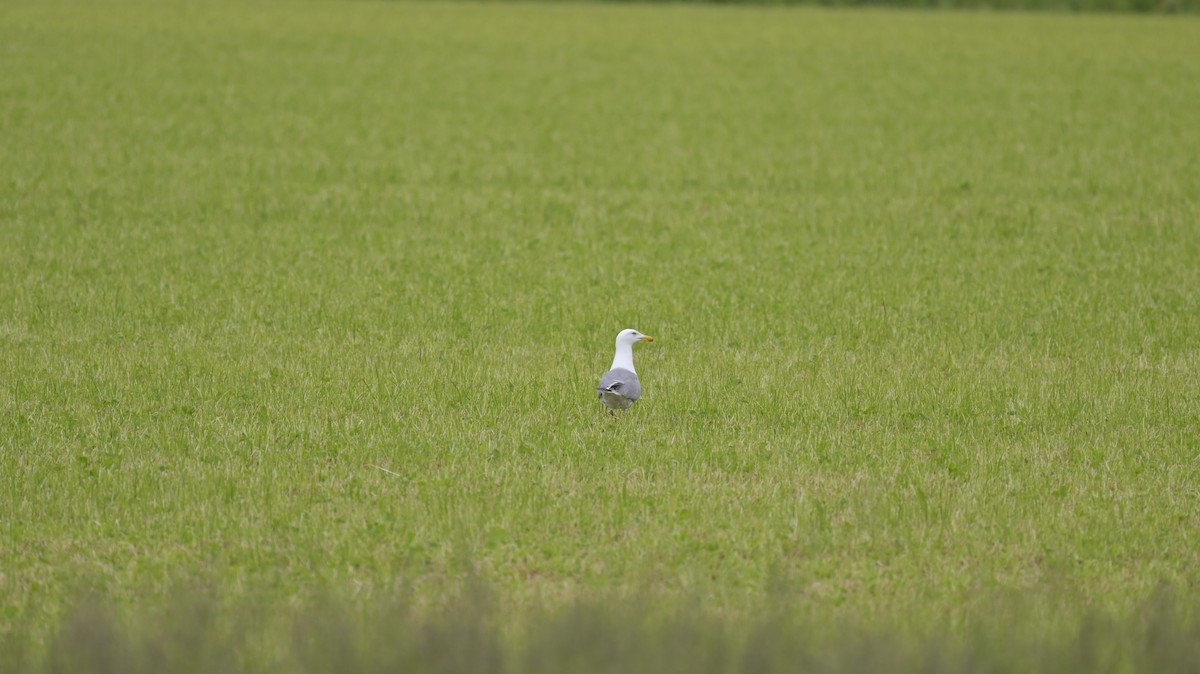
x=306, y=302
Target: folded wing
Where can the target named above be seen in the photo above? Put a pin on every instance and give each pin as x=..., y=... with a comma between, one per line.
x=621, y=382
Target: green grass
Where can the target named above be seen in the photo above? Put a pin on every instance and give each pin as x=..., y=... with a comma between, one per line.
x=925, y=290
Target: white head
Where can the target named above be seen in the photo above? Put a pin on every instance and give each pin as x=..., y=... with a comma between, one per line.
x=623, y=358
x=630, y=337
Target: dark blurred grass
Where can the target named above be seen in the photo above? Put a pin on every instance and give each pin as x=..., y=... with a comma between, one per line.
x=472, y=633
x=1146, y=6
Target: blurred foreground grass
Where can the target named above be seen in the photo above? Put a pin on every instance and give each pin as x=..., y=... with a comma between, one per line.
x=466, y=635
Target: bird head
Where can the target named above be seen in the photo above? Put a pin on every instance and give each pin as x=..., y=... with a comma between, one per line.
x=632, y=337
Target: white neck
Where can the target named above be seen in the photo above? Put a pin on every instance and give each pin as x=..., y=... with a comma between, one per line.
x=623, y=358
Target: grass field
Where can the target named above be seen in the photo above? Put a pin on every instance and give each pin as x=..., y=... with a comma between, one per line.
x=925, y=289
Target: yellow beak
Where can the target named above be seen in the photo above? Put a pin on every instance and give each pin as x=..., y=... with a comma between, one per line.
x=647, y=338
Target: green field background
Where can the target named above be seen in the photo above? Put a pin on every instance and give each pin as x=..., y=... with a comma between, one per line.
x=306, y=299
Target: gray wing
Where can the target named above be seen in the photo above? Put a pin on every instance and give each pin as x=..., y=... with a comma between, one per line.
x=622, y=382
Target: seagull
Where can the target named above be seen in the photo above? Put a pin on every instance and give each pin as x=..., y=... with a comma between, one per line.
x=619, y=388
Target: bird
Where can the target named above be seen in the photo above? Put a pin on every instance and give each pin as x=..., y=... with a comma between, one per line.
x=619, y=388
